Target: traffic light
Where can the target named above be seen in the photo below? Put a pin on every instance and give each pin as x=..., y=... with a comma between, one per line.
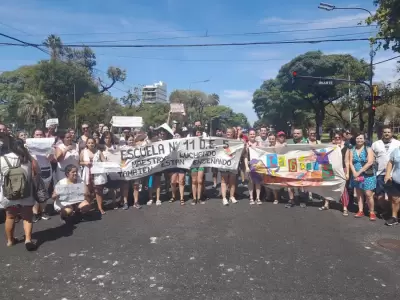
x=294, y=75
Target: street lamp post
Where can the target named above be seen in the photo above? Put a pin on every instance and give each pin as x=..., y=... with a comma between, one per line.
x=371, y=113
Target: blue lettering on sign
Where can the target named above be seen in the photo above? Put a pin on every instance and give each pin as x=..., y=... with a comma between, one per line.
x=272, y=161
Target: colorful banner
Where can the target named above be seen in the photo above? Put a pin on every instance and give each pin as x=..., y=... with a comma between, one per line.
x=315, y=168
x=187, y=153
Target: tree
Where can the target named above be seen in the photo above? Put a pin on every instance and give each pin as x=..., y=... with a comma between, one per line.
x=93, y=108
x=224, y=116
x=387, y=16
x=83, y=57
x=55, y=45
x=280, y=101
x=35, y=109
x=132, y=98
x=115, y=75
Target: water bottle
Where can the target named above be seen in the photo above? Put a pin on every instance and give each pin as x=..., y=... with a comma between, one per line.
x=150, y=182
x=187, y=182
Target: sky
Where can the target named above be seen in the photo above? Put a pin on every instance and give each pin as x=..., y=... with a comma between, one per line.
x=232, y=72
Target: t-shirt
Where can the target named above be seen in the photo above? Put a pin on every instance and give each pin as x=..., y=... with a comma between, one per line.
x=302, y=141
x=395, y=159
x=382, y=153
x=262, y=142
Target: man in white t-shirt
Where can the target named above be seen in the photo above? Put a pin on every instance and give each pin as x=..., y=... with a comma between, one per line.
x=262, y=139
x=382, y=150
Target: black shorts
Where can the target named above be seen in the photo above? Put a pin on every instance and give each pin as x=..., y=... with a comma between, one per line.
x=393, y=189
x=177, y=170
x=380, y=185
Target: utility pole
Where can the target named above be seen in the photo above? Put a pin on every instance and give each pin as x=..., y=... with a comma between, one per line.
x=371, y=111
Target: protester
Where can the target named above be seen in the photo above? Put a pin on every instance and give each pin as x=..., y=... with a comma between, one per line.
x=66, y=207
x=16, y=161
x=364, y=178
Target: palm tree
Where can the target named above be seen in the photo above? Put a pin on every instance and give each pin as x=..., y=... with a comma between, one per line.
x=213, y=99
x=36, y=108
x=55, y=45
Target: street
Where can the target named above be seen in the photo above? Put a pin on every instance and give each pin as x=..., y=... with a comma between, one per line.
x=205, y=252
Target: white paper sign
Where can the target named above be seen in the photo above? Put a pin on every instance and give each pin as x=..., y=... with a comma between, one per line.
x=177, y=108
x=72, y=193
x=138, y=162
x=52, y=122
x=40, y=146
x=129, y=122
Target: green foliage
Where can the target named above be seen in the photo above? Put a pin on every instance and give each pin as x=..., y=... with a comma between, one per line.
x=303, y=103
x=95, y=108
x=387, y=17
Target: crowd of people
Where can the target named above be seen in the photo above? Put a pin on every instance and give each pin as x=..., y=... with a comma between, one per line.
x=372, y=173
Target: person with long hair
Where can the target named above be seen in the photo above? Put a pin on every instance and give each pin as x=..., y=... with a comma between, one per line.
x=253, y=183
x=197, y=175
x=95, y=182
x=66, y=153
x=13, y=155
x=69, y=208
x=364, y=179
x=228, y=177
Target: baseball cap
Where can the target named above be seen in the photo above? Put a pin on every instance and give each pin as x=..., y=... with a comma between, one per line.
x=281, y=133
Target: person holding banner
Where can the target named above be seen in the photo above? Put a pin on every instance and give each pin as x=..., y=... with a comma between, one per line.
x=197, y=175
x=66, y=154
x=177, y=177
x=93, y=182
x=67, y=203
x=252, y=182
x=228, y=177
x=131, y=141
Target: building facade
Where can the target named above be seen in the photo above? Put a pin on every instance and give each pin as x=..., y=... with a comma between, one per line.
x=155, y=93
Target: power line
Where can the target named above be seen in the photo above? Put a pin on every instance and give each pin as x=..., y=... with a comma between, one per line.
x=189, y=30
x=220, y=35
x=389, y=59
x=310, y=41
x=9, y=26
x=22, y=42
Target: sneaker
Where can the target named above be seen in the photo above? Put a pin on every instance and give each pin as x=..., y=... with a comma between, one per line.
x=372, y=216
x=252, y=202
x=150, y=202
x=225, y=202
x=36, y=218
x=360, y=214
x=289, y=205
x=137, y=206
x=125, y=206
x=158, y=202
x=233, y=200
x=45, y=217
x=392, y=221
x=258, y=201
x=276, y=202
x=303, y=205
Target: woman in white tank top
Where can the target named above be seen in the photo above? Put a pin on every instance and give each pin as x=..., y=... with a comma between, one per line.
x=66, y=154
x=93, y=182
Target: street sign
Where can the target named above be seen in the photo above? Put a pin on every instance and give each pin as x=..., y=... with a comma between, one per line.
x=325, y=82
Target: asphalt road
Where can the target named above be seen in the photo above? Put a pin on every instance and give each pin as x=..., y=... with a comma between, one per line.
x=206, y=252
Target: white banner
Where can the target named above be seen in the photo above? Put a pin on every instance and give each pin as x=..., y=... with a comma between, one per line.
x=72, y=193
x=40, y=146
x=185, y=153
x=314, y=168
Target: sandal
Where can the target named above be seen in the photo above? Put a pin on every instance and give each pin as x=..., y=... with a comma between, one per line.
x=182, y=201
x=345, y=213
x=194, y=202
x=172, y=200
x=323, y=208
